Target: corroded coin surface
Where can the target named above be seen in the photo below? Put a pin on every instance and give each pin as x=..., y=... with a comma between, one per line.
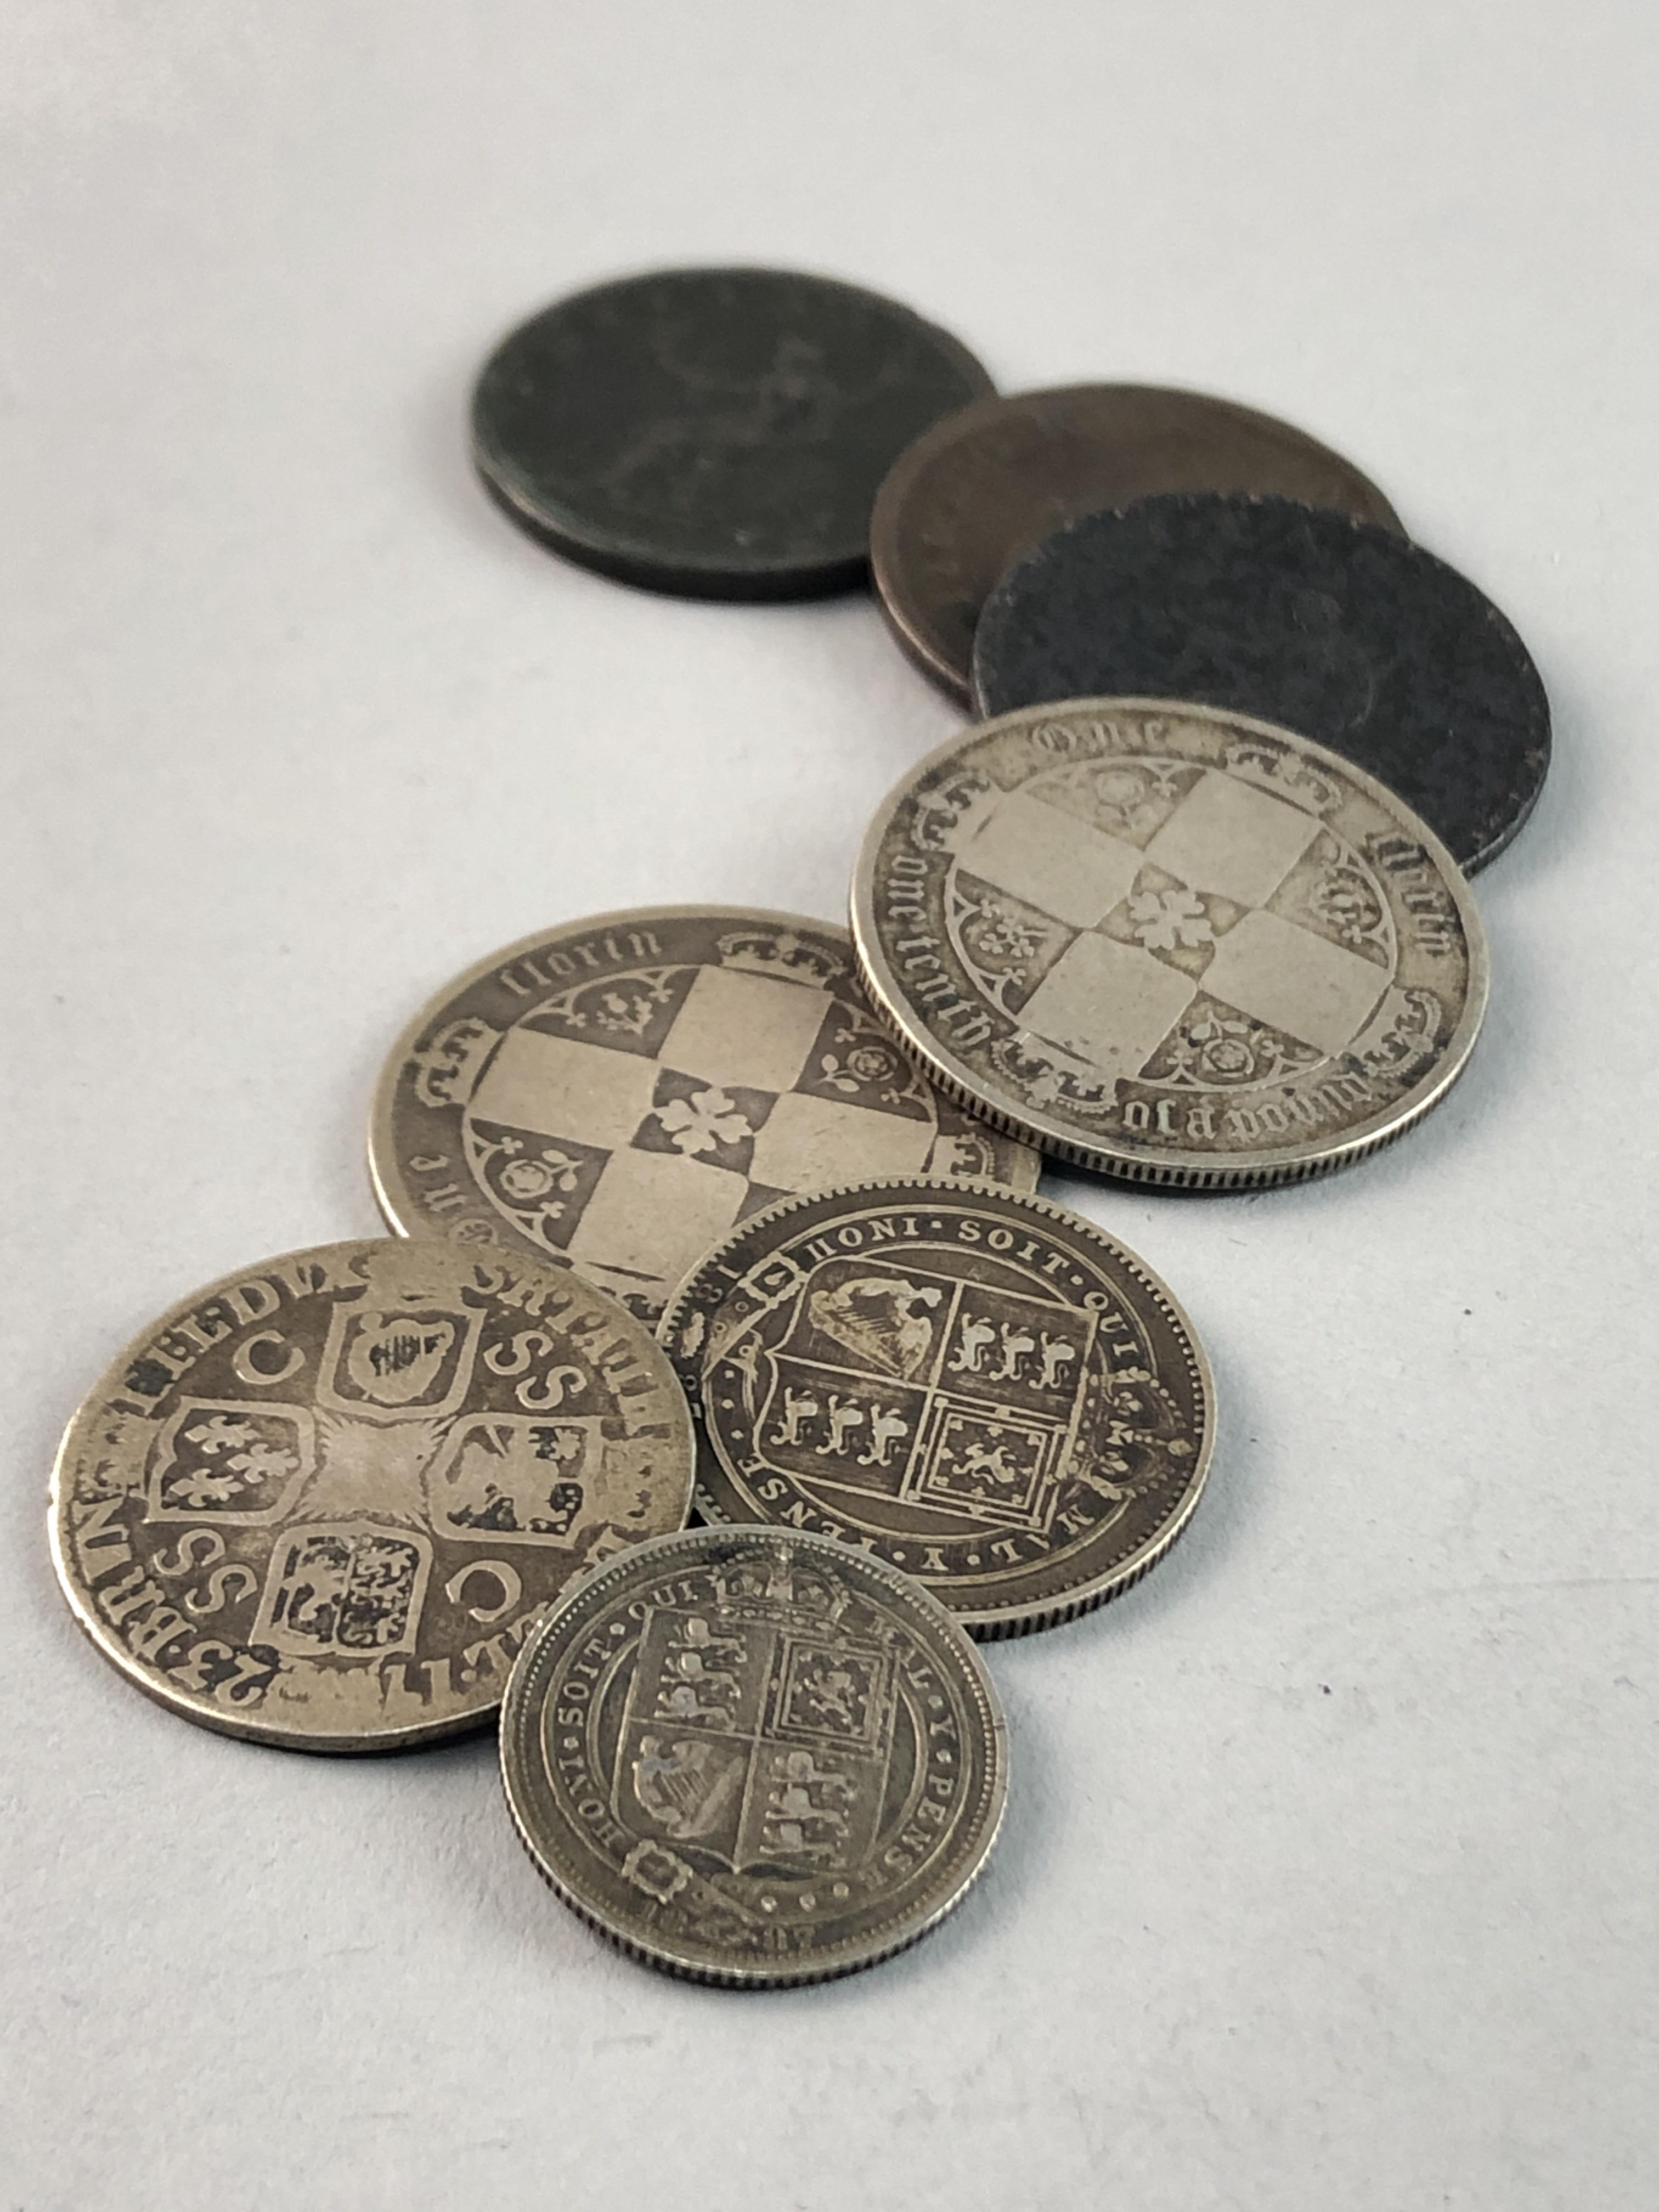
x=1172, y=943
x=979, y=488
x=322, y=1503
x=754, y=1757
x=980, y=1388
x=1309, y=618
x=721, y=432
x=617, y=1094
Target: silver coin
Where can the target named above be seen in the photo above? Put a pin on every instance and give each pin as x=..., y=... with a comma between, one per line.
x=1169, y=941
x=976, y=1387
x=616, y=1094
x=754, y=1757
x=321, y=1502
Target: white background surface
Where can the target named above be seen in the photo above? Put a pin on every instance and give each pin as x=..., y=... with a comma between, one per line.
x=1328, y=1874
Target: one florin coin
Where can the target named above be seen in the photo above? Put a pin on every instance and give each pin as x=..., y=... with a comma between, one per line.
x=1169, y=942
x=721, y=432
x=980, y=1388
x=617, y=1094
x=322, y=1503
x=754, y=1757
x=1332, y=627
x=978, y=489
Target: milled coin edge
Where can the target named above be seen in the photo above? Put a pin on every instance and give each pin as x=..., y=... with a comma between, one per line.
x=517, y=1743
x=985, y=1624
x=1171, y=1169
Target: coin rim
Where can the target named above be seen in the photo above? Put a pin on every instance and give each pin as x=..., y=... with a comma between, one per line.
x=901, y=609
x=391, y=1191
x=1176, y=1171
x=519, y=1728
x=417, y=1733
x=985, y=1624
x=636, y=560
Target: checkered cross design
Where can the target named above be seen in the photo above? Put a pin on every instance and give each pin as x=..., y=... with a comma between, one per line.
x=629, y=1127
x=1215, y=914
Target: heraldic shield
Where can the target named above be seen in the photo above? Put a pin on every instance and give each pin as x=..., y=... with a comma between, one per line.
x=755, y=1743
x=961, y=1397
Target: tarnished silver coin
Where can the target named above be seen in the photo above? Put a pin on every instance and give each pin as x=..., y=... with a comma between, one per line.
x=321, y=1502
x=754, y=1757
x=980, y=1388
x=616, y=1094
x=1169, y=941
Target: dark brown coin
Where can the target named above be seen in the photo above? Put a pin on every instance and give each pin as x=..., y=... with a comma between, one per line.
x=719, y=432
x=754, y=1757
x=981, y=1389
x=322, y=1503
x=1333, y=629
x=962, y=504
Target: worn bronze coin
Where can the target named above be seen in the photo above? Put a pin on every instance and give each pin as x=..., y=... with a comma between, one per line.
x=981, y=1389
x=973, y=494
x=754, y=1757
x=720, y=432
x=1334, y=628
x=1169, y=941
x=617, y=1094
x=321, y=1502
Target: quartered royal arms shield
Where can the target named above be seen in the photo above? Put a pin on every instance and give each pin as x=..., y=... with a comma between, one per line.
x=753, y=1756
x=982, y=1388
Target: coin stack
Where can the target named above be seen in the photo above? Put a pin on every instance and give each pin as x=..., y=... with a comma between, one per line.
x=733, y=1213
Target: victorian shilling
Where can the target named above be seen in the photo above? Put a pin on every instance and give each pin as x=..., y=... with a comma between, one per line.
x=754, y=1757
x=972, y=494
x=321, y=1502
x=1331, y=627
x=616, y=1094
x=1169, y=941
x=716, y=431
x=979, y=1389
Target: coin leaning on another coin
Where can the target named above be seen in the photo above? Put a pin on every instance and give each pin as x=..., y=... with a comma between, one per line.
x=321, y=1502
x=754, y=1757
x=981, y=1389
x=1169, y=941
x=979, y=488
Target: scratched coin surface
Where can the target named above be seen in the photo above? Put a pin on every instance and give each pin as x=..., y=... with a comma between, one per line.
x=753, y=1756
x=962, y=504
x=1330, y=626
x=1169, y=942
x=321, y=1502
x=615, y=1095
x=721, y=432
x=983, y=1389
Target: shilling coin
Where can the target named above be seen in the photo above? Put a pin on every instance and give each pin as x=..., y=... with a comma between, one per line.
x=754, y=1757
x=617, y=1094
x=721, y=432
x=971, y=495
x=321, y=1502
x=1333, y=627
x=1171, y=942
x=979, y=1389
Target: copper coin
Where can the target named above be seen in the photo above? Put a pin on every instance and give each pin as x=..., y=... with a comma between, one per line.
x=716, y=432
x=972, y=494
